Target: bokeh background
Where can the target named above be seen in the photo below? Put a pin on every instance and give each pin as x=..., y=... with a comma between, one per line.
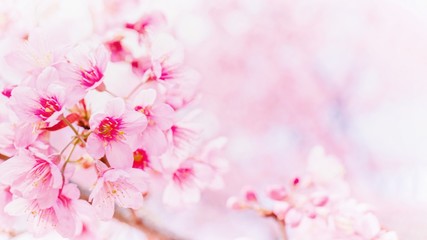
x=282, y=76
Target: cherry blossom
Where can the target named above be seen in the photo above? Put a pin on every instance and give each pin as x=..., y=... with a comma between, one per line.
x=159, y=119
x=85, y=67
x=112, y=133
x=43, y=103
x=32, y=176
x=62, y=215
x=125, y=187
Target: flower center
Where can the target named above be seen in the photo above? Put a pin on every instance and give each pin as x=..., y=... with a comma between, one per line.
x=140, y=159
x=182, y=175
x=147, y=112
x=91, y=76
x=48, y=106
x=109, y=129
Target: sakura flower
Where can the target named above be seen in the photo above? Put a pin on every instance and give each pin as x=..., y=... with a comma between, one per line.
x=155, y=19
x=113, y=133
x=368, y=226
x=61, y=216
x=160, y=118
x=36, y=54
x=117, y=50
x=186, y=183
x=43, y=103
x=85, y=68
x=16, y=137
x=166, y=58
x=122, y=186
x=32, y=177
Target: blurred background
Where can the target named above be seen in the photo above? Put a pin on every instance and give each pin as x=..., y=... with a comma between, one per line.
x=282, y=76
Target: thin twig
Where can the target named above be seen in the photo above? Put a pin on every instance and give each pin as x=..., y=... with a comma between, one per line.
x=151, y=232
x=282, y=227
x=74, y=129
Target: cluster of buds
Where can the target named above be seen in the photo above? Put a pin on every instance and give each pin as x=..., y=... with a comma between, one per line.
x=87, y=125
x=316, y=204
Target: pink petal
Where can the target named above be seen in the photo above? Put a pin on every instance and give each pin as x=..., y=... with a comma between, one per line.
x=48, y=199
x=56, y=176
x=46, y=77
x=138, y=179
x=368, y=226
x=24, y=136
x=115, y=107
x=19, y=61
x=96, y=191
x=172, y=195
x=204, y=173
x=134, y=122
x=71, y=191
x=96, y=119
x=129, y=198
x=66, y=221
x=104, y=205
x=102, y=57
x=145, y=98
x=17, y=207
x=95, y=147
x=14, y=167
x=154, y=140
x=163, y=115
x=119, y=155
x=113, y=175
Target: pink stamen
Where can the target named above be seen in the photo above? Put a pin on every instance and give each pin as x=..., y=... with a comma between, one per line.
x=48, y=106
x=91, y=76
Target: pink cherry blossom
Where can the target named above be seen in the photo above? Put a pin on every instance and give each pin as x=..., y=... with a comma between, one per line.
x=36, y=54
x=160, y=118
x=186, y=183
x=125, y=187
x=16, y=137
x=33, y=176
x=152, y=20
x=61, y=216
x=43, y=103
x=113, y=132
x=85, y=67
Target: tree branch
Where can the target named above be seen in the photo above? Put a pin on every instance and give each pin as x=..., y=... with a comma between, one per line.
x=152, y=232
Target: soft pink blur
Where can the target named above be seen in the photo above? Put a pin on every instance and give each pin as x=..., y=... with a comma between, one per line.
x=283, y=76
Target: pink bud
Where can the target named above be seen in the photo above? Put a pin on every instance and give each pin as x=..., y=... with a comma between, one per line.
x=311, y=214
x=319, y=199
x=277, y=192
x=7, y=91
x=293, y=218
x=250, y=195
x=234, y=203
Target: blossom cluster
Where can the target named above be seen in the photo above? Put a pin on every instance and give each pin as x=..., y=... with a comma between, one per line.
x=86, y=125
x=317, y=204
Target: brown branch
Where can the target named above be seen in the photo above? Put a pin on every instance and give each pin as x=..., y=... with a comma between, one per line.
x=282, y=227
x=4, y=157
x=152, y=232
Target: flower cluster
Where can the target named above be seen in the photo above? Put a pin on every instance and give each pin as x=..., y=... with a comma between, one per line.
x=86, y=125
x=317, y=204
